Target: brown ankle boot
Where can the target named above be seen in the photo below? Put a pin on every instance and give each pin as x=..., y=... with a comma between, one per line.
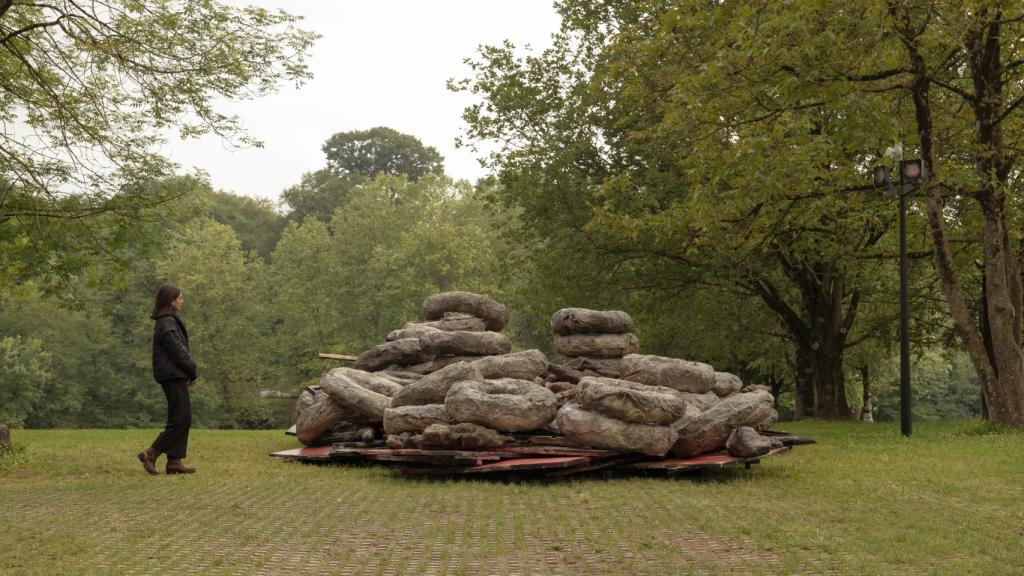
x=148, y=458
x=174, y=466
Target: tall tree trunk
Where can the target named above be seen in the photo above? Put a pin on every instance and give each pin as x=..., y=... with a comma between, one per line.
x=830, y=386
x=867, y=411
x=803, y=389
x=995, y=349
x=819, y=333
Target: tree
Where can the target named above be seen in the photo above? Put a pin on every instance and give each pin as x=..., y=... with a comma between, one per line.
x=226, y=296
x=343, y=287
x=353, y=159
x=306, y=314
x=319, y=194
x=973, y=58
x=254, y=220
x=23, y=375
x=654, y=136
x=381, y=150
x=88, y=93
x=953, y=72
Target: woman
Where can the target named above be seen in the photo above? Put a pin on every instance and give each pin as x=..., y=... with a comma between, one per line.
x=175, y=370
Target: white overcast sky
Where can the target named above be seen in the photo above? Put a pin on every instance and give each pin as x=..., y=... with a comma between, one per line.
x=378, y=63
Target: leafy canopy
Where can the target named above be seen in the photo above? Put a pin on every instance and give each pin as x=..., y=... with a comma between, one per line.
x=88, y=92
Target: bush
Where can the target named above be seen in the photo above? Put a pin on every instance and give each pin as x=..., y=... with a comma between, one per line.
x=255, y=417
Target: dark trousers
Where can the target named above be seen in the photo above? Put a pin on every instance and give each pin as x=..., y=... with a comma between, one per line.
x=173, y=441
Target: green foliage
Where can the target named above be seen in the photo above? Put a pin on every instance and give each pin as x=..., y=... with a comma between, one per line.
x=99, y=375
x=225, y=300
x=255, y=417
x=944, y=386
x=353, y=159
x=381, y=150
x=254, y=220
x=14, y=456
x=394, y=242
x=665, y=154
x=93, y=89
x=24, y=371
x=319, y=194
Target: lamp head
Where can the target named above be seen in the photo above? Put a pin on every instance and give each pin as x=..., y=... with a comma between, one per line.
x=881, y=176
x=912, y=170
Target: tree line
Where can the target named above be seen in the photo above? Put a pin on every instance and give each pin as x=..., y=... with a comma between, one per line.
x=705, y=167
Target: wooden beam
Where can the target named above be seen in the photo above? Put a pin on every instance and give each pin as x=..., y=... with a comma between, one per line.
x=342, y=357
x=565, y=373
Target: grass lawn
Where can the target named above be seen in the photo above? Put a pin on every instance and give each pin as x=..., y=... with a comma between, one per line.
x=864, y=500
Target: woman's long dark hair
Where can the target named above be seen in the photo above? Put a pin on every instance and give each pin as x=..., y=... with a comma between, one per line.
x=164, y=296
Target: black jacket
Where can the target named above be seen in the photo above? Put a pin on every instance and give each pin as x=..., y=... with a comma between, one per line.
x=171, y=360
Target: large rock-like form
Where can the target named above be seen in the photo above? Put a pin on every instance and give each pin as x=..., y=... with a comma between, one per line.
x=630, y=401
x=400, y=377
x=368, y=380
x=365, y=405
x=682, y=375
x=463, y=343
x=607, y=367
x=432, y=388
x=597, y=345
x=727, y=384
x=524, y=365
x=410, y=331
x=494, y=315
x=595, y=430
x=404, y=352
x=767, y=423
x=710, y=430
x=436, y=364
x=701, y=402
x=452, y=321
x=505, y=404
x=582, y=321
x=322, y=414
x=306, y=398
x=463, y=436
x=414, y=418
x=745, y=442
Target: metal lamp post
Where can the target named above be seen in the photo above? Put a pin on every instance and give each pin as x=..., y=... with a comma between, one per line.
x=911, y=174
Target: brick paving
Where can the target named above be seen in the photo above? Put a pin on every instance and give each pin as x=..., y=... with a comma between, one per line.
x=265, y=517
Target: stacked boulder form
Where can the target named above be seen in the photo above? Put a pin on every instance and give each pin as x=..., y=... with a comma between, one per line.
x=451, y=381
x=618, y=415
x=594, y=341
x=716, y=404
x=458, y=326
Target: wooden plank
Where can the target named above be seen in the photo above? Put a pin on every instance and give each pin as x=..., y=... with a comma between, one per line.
x=415, y=455
x=717, y=460
x=306, y=454
x=567, y=374
x=563, y=451
x=538, y=440
x=490, y=454
x=596, y=465
x=343, y=357
x=523, y=464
